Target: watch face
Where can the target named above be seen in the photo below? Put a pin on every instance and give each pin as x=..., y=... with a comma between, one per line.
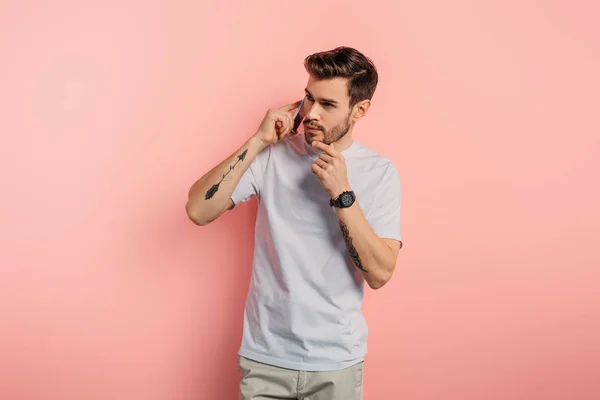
x=346, y=199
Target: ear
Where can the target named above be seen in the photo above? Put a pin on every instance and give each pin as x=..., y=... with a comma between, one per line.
x=360, y=109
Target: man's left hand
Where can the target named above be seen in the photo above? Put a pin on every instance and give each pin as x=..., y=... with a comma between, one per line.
x=330, y=168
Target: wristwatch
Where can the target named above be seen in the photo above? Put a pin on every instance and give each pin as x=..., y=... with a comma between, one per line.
x=344, y=200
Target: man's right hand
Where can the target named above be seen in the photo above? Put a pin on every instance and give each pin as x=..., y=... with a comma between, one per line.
x=277, y=124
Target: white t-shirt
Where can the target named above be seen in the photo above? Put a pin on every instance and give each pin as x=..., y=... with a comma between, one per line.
x=303, y=308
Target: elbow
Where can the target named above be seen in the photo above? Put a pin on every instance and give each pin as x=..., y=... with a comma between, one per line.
x=195, y=215
x=377, y=282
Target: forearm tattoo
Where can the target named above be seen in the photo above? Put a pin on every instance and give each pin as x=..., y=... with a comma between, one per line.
x=351, y=249
x=215, y=188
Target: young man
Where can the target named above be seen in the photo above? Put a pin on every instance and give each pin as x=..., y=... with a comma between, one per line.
x=328, y=220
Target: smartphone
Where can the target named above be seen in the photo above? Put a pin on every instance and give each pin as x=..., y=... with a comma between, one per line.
x=298, y=116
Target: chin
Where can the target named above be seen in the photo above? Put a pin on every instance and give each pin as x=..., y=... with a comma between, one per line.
x=311, y=137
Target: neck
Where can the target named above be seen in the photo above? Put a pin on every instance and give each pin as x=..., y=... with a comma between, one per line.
x=345, y=142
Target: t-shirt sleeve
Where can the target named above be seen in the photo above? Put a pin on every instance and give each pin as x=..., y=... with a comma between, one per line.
x=384, y=217
x=251, y=181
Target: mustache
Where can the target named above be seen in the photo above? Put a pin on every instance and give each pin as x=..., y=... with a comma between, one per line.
x=312, y=126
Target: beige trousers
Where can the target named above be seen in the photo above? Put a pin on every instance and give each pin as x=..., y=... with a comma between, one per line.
x=260, y=381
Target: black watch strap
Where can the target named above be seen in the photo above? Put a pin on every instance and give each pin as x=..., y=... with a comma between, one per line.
x=338, y=202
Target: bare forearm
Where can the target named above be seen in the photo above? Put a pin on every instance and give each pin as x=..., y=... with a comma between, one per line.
x=368, y=252
x=209, y=196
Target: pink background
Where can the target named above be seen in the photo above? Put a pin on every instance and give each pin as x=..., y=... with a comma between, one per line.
x=111, y=109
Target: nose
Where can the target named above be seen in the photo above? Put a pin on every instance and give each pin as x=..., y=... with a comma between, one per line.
x=312, y=113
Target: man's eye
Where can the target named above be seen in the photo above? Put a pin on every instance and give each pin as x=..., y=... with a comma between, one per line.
x=328, y=104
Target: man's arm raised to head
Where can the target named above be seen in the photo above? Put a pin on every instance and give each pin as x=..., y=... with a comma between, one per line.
x=210, y=196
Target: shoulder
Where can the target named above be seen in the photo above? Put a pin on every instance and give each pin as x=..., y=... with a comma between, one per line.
x=367, y=159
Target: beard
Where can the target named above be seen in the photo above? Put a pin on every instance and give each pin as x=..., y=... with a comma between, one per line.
x=329, y=136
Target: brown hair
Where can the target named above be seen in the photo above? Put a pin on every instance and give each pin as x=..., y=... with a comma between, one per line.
x=345, y=62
